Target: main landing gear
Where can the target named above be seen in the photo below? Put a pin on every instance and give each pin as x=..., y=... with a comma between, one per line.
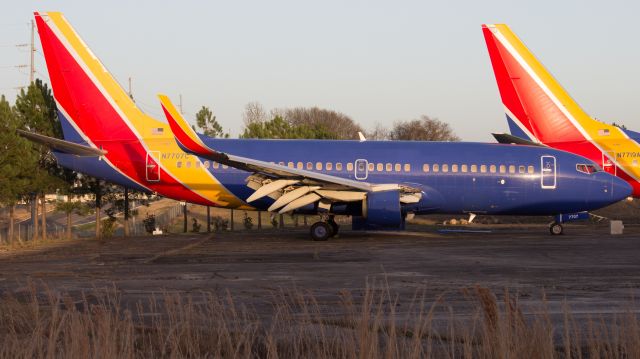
x=323, y=230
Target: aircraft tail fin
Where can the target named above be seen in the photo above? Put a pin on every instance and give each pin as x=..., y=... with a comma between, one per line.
x=92, y=106
x=536, y=105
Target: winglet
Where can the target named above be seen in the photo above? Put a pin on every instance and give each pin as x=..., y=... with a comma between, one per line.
x=186, y=137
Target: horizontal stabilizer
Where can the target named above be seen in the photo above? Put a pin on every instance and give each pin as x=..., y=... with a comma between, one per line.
x=511, y=139
x=62, y=145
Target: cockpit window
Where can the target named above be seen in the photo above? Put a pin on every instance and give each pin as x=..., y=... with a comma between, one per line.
x=585, y=168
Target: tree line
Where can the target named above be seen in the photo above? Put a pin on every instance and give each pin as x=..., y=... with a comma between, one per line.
x=317, y=123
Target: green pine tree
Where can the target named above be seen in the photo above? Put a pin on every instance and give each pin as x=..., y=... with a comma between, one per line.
x=208, y=123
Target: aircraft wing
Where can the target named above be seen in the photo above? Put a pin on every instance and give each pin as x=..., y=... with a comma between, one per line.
x=62, y=145
x=293, y=188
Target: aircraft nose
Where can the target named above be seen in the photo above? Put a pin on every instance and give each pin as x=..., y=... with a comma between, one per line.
x=620, y=189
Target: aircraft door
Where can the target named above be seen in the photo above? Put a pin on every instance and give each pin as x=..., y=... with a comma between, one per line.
x=361, y=170
x=152, y=167
x=548, y=172
x=607, y=164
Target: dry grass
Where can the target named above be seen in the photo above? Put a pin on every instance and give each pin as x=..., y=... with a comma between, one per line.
x=43, y=323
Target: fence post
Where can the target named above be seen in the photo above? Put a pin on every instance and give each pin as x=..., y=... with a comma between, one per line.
x=259, y=219
x=184, y=213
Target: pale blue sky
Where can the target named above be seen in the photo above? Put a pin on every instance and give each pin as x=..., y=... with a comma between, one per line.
x=376, y=61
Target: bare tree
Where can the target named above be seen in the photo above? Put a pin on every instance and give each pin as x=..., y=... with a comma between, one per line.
x=423, y=129
x=254, y=113
x=378, y=133
x=338, y=124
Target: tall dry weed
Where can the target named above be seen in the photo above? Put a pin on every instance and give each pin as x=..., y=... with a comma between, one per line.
x=40, y=322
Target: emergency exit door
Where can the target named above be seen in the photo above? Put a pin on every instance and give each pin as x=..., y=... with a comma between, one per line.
x=361, y=169
x=607, y=162
x=152, y=167
x=548, y=172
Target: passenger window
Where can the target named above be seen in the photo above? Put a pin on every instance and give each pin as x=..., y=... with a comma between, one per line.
x=445, y=168
x=492, y=168
x=634, y=162
x=520, y=169
x=350, y=166
x=503, y=169
x=281, y=163
x=207, y=164
x=225, y=167
x=379, y=167
x=512, y=169
x=474, y=168
x=197, y=164
x=371, y=166
x=328, y=166
x=463, y=168
x=319, y=166
x=425, y=167
x=530, y=170
x=188, y=164
x=216, y=165
x=436, y=168
x=309, y=166
x=397, y=167
x=407, y=167
x=179, y=164
x=454, y=168
x=483, y=168
x=300, y=165
x=388, y=167
x=338, y=166
x=290, y=165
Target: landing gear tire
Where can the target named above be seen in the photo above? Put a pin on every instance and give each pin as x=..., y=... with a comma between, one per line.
x=334, y=227
x=556, y=228
x=321, y=231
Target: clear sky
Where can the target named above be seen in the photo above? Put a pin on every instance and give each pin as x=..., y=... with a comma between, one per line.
x=376, y=61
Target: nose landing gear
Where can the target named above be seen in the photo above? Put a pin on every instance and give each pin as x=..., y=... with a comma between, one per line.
x=556, y=228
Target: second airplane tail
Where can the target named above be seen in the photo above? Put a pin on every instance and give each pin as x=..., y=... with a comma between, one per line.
x=536, y=105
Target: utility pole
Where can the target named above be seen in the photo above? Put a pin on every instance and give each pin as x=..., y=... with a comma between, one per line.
x=32, y=69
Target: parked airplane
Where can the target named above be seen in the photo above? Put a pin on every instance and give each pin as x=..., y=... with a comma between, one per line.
x=378, y=183
x=539, y=110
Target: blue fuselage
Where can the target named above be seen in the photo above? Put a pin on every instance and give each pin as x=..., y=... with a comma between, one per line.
x=455, y=177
